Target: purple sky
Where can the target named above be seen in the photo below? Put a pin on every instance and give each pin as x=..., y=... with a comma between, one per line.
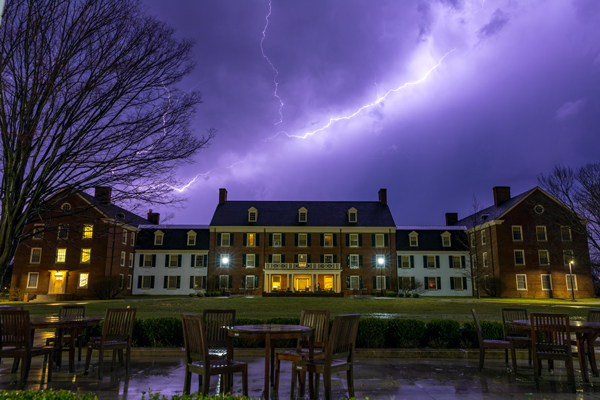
x=519, y=92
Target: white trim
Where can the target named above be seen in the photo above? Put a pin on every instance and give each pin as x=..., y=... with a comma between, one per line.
x=129, y=281
x=305, y=235
x=519, y=228
x=458, y=279
x=123, y=258
x=252, y=212
x=191, y=234
x=515, y=257
x=37, y=280
x=132, y=239
x=352, y=216
x=253, y=257
x=547, y=256
x=568, y=253
x=63, y=228
x=87, y=280
x=67, y=206
x=147, y=279
x=325, y=240
x=279, y=242
x=379, y=236
x=169, y=280
x=357, y=257
x=483, y=238
x=402, y=257
x=574, y=281
x=485, y=259
x=446, y=235
x=537, y=234
x=38, y=234
x=253, y=239
x=414, y=235
x=350, y=240
x=517, y=280
x=121, y=281
x=549, y=281
x=131, y=258
x=159, y=235
x=223, y=236
x=58, y=255
x=302, y=215
x=124, y=237
x=146, y=257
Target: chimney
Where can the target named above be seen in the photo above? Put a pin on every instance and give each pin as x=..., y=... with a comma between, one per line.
x=222, y=195
x=501, y=194
x=383, y=196
x=153, y=217
x=451, y=219
x=103, y=194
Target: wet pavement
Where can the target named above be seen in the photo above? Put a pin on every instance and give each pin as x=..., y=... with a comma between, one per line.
x=375, y=378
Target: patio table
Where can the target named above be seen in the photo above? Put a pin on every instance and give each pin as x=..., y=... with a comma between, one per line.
x=75, y=325
x=585, y=333
x=269, y=332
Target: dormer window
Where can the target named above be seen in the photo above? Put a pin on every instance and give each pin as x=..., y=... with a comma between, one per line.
x=352, y=217
x=446, y=239
x=413, y=239
x=302, y=215
x=252, y=215
x=191, y=238
x=158, y=238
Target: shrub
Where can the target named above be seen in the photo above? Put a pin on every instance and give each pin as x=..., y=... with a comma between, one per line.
x=192, y=294
x=442, y=333
x=491, y=330
x=401, y=294
x=371, y=333
x=200, y=294
x=391, y=294
x=164, y=332
x=415, y=295
x=45, y=395
x=404, y=333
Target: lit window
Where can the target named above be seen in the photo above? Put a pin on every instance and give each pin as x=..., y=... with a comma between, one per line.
x=38, y=231
x=430, y=261
x=517, y=233
x=250, y=261
x=328, y=240
x=123, y=257
x=132, y=242
x=405, y=261
x=353, y=240
x=88, y=231
x=302, y=260
x=86, y=255
x=61, y=255
x=354, y=261
x=567, y=257
x=277, y=240
x=565, y=233
x=432, y=283
x=63, y=231
x=379, y=240
x=485, y=260
x=124, y=237
x=546, y=282
x=84, y=278
x=544, y=258
x=413, y=239
x=483, y=238
x=36, y=255
x=521, y=282
x=251, y=240
x=32, y=280
x=541, y=233
x=519, y=257
x=302, y=240
x=225, y=239
x=571, y=284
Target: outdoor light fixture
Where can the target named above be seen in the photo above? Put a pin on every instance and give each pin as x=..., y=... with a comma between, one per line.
x=225, y=260
x=380, y=261
x=571, y=277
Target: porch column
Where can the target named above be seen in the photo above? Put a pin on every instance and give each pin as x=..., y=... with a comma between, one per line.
x=338, y=280
x=317, y=282
x=266, y=283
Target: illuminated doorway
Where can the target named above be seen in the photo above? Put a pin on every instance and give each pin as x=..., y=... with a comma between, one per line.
x=58, y=282
x=328, y=282
x=276, y=282
x=302, y=282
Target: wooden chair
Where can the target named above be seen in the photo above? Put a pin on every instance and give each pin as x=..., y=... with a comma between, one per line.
x=339, y=356
x=16, y=360
x=492, y=344
x=69, y=312
x=518, y=337
x=216, y=323
x=15, y=332
x=117, y=333
x=551, y=340
x=199, y=361
x=319, y=321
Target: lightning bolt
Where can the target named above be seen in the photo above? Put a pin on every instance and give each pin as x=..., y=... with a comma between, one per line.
x=204, y=175
x=264, y=35
x=379, y=100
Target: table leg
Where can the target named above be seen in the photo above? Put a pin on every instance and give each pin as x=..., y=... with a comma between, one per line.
x=581, y=352
x=591, y=339
x=272, y=366
x=267, y=364
x=75, y=332
x=58, y=345
x=311, y=355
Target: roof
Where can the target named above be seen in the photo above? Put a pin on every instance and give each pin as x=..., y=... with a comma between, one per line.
x=114, y=212
x=431, y=228
x=175, y=237
x=319, y=213
x=431, y=239
x=492, y=212
x=167, y=226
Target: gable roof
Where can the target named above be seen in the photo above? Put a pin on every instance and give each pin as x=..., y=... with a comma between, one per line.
x=430, y=238
x=319, y=213
x=175, y=237
x=114, y=212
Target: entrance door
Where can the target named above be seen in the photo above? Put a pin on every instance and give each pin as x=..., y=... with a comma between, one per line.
x=57, y=282
x=302, y=283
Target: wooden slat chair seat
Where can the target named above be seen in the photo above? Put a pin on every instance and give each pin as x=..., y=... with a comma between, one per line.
x=319, y=321
x=117, y=333
x=16, y=334
x=551, y=340
x=339, y=357
x=517, y=336
x=492, y=344
x=67, y=312
x=216, y=323
x=198, y=359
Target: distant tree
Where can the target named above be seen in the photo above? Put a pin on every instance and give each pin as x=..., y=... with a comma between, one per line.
x=88, y=98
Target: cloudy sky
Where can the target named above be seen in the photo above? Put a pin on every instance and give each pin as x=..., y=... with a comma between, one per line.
x=435, y=100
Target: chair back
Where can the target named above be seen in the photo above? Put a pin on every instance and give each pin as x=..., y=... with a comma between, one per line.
x=550, y=332
x=342, y=338
x=14, y=328
x=71, y=311
x=477, y=328
x=593, y=315
x=118, y=324
x=319, y=321
x=513, y=314
x=194, y=339
x=216, y=323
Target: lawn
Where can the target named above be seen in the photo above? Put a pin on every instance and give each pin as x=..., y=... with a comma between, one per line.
x=264, y=308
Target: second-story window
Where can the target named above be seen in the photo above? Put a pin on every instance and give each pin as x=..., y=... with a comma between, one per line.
x=328, y=240
x=565, y=233
x=88, y=231
x=517, y=232
x=251, y=240
x=124, y=237
x=541, y=233
x=354, y=261
x=250, y=261
x=86, y=256
x=544, y=258
x=123, y=258
x=277, y=240
x=225, y=239
x=567, y=257
x=328, y=258
x=431, y=262
x=473, y=240
x=38, y=231
x=61, y=255
x=302, y=260
x=302, y=240
x=485, y=260
x=519, y=257
x=483, y=238
x=379, y=240
x=353, y=240
x=36, y=255
x=132, y=240
x=63, y=231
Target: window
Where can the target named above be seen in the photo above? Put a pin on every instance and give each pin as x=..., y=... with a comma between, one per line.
x=121, y=281
x=407, y=283
x=379, y=240
x=380, y=261
x=132, y=241
x=277, y=240
x=130, y=260
x=473, y=242
x=458, y=283
x=249, y=282
x=354, y=282
x=250, y=258
x=251, y=240
x=276, y=258
x=546, y=282
x=486, y=282
x=446, y=240
x=63, y=231
x=485, y=260
x=302, y=240
x=519, y=257
x=32, y=280
x=571, y=284
x=158, y=238
x=328, y=258
x=129, y=279
x=84, y=280
x=173, y=260
x=544, y=258
x=354, y=260
x=483, y=238
x=223, y=281
x=146, y=282
x=224, y=260
x=413, y=240
x=88, y=231
x=474, y=260
x=147, y=260
x=66, y=207
x=405, y=261
x=430, y=261
x=456, y=262
x=61, y=255
x=541, y=233
x=517, y=231
x=123, y=257
x=191, y=238
x=353, y=240
x=172, y=282
x=380, y=283
x=567, y=257
x=352, y=215
x=38, y=231
x=565, y=233
x=86, y=255
x=432, y=283
x=199, y=262
x=521, y=282
x=328, y=240
x=124, y=238
x=252, y=214
x=539, y=209
x=302, y=215
x=302, y=260
x=225, y=239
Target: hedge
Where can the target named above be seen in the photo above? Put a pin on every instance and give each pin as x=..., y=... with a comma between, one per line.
x=66, y=395
x=372, y=333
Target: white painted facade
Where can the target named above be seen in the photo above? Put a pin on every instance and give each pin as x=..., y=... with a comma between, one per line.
x=442, y=273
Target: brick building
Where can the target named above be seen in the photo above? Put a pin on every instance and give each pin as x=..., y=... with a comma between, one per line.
x=266, y=246
x=82, y=246
x=520, y=244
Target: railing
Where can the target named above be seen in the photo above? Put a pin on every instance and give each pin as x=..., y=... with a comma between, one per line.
x=297, y=266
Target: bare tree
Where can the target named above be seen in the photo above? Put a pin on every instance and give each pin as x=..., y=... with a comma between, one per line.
x=88, y=98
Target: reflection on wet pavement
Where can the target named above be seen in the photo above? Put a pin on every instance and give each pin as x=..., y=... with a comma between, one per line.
x=381, y=378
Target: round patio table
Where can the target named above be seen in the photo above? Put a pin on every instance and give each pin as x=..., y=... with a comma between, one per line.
x=269, y=332
x=75, y=325
x=585, y=333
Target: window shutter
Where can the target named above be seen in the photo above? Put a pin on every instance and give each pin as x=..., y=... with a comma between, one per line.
x=360, y=281
x=360, y=240
x=296, y=258
x=296, y=239
x=387, y=282
x=218, y=260
x=218, y=239
x=386, y=260
x=399, y=261
x=139, y=282
x=451, y=283
x=335, y=258
x=463, y=261
x=154, y=260
x=426, y=283
x=216, y=282
x=205, y=263
x=204, y=282
x=360, y=260
x=270, y=239
x=347, y=282
x=385, y=240
x=243, y=282
x=167, y=260
x=374, y=282
x=191, y=282
x=230, y=281
x=334, y=239
x=450, y=264
x=424, y=261
x=322, y=258
x=178, y=282
x=322, y=239
x=374, y=260
x=412, y=282
x=464, y=283
x=231, y=235
x=179, y=259
x=257, y=239
x=193, y=262
x=308, y=258
x=347, y=240
x=373, y=240
x=245, y=240
x=283, y=239
x=255, y=281
x=283, y=258
x=439, y=283
x=412, y=261
x=308, y=236
x=166, y=280
x=152, y=282
x=348, y=262
x=141, y=260
x=437, y=261
x=256, y=260
x=243, y=260
x=270, y=258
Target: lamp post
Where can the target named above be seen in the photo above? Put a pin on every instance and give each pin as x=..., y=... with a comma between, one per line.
x=224, y=262
x=571, y=277
x=381, y=261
